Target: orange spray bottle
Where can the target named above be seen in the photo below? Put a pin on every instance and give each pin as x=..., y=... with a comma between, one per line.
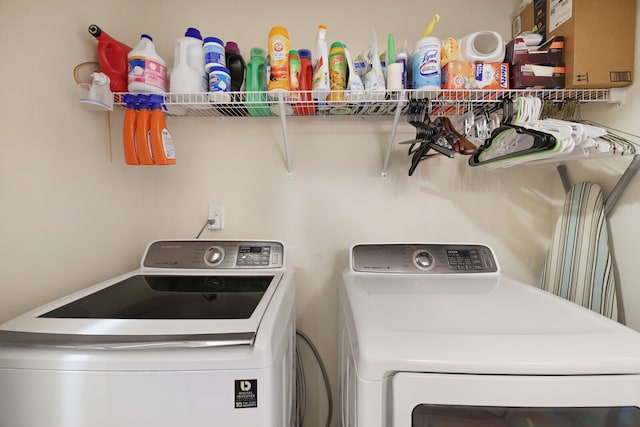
x=129, y=131
x=143, y=122
x=164, y=152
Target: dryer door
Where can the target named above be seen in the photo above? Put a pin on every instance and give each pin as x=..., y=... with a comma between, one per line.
x=441, y=400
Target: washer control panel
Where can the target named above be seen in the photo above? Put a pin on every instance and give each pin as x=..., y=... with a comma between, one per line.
x=214, y=254
x=422, y=258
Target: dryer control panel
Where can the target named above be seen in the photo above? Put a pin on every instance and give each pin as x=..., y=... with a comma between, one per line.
x=214, y=254
x=422, y=258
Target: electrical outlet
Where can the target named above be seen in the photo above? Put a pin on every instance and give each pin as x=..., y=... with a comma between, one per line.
x=216, y=216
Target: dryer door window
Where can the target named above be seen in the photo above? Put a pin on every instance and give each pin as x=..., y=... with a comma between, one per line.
x=494, y=416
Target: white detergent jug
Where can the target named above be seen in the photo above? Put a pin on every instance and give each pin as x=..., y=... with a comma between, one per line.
x=483, y=46
x=188, y=74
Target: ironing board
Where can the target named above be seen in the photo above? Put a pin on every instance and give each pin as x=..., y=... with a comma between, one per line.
x=578, y=266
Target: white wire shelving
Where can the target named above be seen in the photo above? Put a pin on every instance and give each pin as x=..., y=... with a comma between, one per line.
x=380, y=105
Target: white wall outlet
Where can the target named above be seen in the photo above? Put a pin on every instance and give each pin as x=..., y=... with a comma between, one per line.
x=215, y=220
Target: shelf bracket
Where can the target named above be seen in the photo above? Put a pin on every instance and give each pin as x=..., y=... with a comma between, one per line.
x=285, y=140
x=394, y=127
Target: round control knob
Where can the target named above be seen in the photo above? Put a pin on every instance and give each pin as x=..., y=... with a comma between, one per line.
x=214, y=255
x=423, y=259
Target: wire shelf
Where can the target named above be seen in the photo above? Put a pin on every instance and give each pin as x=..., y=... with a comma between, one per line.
x=343, y=103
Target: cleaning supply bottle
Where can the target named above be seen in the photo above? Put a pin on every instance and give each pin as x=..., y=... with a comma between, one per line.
x=143, y=126
x=337, y=72
x=256, y=99
x=129, y=131
x=294, y=74
x=147, y=70
x=164, y=152
x=236, y=65
x=214, y=53
x=112, y=57
x=321, y=68
x=426, y=62
x=306, y=105
x=355, y=87
x=278, y=52
x=188, y=74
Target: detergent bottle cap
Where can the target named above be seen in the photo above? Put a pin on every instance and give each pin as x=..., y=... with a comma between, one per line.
x=213, y=40
x=143, y=100
x=232, y=47
x=155, y=101
x=193, y=32
x=131, y=100
x=304, y=53
x=257, y=52
x=145, y=36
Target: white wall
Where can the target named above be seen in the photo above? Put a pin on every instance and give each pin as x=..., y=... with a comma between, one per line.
x=73, y=214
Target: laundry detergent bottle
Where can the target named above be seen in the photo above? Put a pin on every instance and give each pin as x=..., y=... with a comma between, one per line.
x=129, y=130
x=112, y=57
x=188, y=73
x=143, y=122
x=147, y=70
x=161, y=140
x=306, y=106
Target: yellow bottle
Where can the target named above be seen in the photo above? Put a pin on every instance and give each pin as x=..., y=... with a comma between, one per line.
x=278, y=49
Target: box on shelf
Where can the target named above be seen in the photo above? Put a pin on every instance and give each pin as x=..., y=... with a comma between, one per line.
x=475, y=76
x=532, y=18
x=550, y=52
x=598, y=41
x=537, y=76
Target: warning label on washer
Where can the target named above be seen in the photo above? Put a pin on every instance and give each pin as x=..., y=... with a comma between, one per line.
x=246, y=394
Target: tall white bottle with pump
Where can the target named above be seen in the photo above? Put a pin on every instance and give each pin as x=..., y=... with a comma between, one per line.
x=147, y=70
x=188, y=74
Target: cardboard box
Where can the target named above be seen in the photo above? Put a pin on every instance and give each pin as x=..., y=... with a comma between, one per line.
x=549, y=53
x=598, y=41
x=475, y=76
x=532, y=18
x=537, y=76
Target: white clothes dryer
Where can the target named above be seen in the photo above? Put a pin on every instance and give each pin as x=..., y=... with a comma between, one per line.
x=434, y=335
x=202, y=334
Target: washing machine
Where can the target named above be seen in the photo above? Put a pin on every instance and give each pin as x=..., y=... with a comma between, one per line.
x=434, y=335
x=201, y=334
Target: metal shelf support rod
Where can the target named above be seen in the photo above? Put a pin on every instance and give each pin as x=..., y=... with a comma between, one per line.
x=394, y=127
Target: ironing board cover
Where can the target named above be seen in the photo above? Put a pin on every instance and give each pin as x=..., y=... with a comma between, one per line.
x=578, y=266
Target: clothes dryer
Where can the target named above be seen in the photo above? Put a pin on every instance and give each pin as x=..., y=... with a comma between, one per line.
x=434, y=335
x=202, y=334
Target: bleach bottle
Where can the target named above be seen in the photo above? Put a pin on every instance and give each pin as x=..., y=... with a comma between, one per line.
x=188, y=73
x=426, y=62
x=147, y=70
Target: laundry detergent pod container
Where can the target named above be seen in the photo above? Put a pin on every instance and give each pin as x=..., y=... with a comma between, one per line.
x=482, y=46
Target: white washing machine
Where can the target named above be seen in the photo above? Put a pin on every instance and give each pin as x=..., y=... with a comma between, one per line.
x=434, y=335
x=202, y=334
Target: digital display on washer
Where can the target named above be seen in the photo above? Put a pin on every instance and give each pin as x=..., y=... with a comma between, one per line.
x=170, y=297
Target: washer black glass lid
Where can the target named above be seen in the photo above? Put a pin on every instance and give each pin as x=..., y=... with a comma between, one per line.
x=171, y=297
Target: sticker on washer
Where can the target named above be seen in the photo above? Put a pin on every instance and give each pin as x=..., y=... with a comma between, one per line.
x=246, y=394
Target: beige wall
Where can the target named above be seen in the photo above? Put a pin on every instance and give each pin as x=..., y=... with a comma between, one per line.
x=73, y=214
